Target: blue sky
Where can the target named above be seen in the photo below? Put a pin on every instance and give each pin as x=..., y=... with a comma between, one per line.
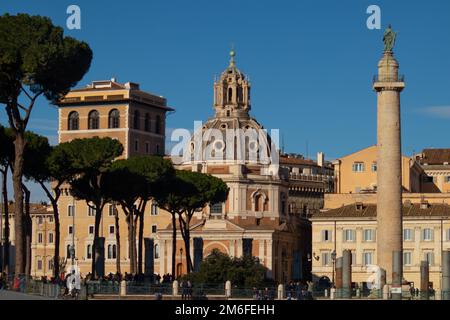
x=310, y=63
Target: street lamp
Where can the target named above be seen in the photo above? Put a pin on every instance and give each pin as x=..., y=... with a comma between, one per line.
x=333, y=258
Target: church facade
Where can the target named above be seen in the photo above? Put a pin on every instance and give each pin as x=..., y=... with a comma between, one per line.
x=262, y=216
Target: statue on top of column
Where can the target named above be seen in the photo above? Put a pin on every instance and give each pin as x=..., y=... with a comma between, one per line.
x=389, y=39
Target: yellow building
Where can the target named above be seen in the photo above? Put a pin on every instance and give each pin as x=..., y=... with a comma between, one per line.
x=138, y=120
x=426, y=233
x=357, y=173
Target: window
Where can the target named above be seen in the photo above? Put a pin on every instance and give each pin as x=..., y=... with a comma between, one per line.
x=427, y=234
x=367, y=258
x=50, y=219
x=71, y=210
x=93, y=120
x=40, y=237
x=91, y=230
x=147, y=122
x=349, y=235
x=154, y=228
x=429, y=257
x=374, y=167
x=112, y=210
x=230, y=94
x=50, y=264
x=39, y=220
x=156, y=251
x=136, y=145
x=447, y=235
x=407, y=235
x=216, y=208
x=358, y=167
x=89, y=251
x=427, y=179
x=39, y=264
x=73, y=121
x=326, y=235
x=154, y=209
x=111, y=229
x=447, y=179
x=112, y=251
x=50, y=237
x=70, y=229
x=136, y=120
x=369, y=235
x=91, y=211
x=158, y=125
x=147, y=147
x=407, y=258
x=114, y=119
x=157, y=149
x=326, y=259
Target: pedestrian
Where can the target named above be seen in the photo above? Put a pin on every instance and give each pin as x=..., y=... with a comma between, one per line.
x=189, y=288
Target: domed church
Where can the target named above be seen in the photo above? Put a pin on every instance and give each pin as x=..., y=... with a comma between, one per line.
x=258, y=217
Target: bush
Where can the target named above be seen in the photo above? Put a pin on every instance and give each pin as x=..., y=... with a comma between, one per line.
x=218, y=268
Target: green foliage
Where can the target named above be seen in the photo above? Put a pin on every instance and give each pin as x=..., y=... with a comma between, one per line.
x=217, y=268
x=91, y=159
x=6, y=146
x=36, y=152
x=139, y=177
x=202, y=189
x=35, y=53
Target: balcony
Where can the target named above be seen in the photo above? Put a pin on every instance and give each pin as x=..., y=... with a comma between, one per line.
x=385, y=78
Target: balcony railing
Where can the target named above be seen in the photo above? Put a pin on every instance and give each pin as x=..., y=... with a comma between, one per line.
x=386, y=78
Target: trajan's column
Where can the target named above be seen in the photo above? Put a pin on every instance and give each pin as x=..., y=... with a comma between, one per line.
x=388, y=85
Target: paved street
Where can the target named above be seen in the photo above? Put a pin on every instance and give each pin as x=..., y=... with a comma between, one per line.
x=11, y=295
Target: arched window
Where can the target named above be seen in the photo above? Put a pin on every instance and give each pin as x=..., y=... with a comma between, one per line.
x=230, y=94
x=73, y=121
x=258, y=205
x=93, y=120
x=136, y=120
x=68, y=251
x=156, y=251
x=147, y=122
x=158, y=124
x=112, y=251
x=114, y=119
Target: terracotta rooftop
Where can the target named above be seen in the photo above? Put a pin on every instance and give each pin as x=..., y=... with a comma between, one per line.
x=359, y=210
x=435, y=156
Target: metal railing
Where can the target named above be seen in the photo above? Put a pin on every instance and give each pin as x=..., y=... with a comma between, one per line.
x=388, y=78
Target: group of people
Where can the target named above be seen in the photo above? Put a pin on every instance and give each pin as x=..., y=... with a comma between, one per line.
x=186, y=290
x=416, y=293
x=266, y=294
x=299, y=290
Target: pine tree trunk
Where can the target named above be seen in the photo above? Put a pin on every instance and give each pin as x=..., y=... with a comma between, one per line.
x=28, y=231
x=174, y=244
x=98, y=216
x=19, y=227
x=57, y=240
x=116, y=219
x=6, y=246
x=140, y=240
x=131, y=241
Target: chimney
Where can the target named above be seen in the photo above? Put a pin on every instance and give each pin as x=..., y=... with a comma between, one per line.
x=320, y=159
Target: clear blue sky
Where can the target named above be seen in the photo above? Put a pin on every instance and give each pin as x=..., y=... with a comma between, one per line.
x=310, y=62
